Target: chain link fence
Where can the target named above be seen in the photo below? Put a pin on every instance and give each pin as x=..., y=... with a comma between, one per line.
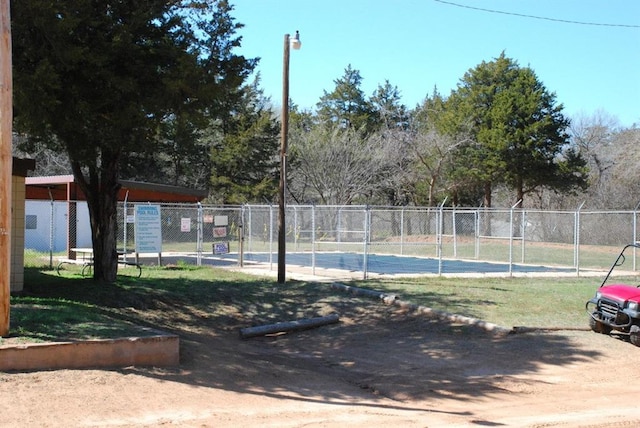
x=197, y=234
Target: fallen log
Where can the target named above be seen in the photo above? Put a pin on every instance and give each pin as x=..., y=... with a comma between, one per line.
x=287, y=326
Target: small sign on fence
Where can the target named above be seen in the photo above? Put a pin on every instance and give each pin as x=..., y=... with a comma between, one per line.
x=220, y=232
x=220, y=247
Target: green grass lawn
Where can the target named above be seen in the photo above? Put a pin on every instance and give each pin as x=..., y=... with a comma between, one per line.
x=48, y=319
x=530, y=302
x=187, y=298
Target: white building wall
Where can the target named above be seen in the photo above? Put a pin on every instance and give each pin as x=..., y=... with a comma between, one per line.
x=46, y=226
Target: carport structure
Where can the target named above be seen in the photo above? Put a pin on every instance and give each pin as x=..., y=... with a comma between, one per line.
x=64, y=188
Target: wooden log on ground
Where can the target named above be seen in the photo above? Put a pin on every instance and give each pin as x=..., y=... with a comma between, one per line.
x=287, y=326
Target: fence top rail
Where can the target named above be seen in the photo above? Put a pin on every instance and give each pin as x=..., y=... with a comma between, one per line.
x=353, y=208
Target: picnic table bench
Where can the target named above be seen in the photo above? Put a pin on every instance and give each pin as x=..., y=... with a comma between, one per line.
x=86, y=261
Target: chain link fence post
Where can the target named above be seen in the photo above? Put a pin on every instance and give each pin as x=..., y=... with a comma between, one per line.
x=199, y=235
x=366, y=239
x=576, y=251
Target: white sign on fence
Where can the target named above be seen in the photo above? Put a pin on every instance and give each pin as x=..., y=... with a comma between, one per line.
x=221, y=220
x=148, y=229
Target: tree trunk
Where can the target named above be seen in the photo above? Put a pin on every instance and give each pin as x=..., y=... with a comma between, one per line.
x=487, y=194
x=487, y=204
x=432, y=185
x=519, y=193
x=104, y=234
x=517, y=221
x=101, y=190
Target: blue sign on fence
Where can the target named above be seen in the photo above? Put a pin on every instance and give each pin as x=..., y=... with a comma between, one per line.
x=148, y=229
x=220, y=248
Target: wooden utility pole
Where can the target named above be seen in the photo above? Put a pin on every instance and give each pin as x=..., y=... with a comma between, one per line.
x=282, y=235
x=284, y=136
x=6, y=165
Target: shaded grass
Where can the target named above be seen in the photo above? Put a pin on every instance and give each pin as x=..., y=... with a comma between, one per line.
x=187, y=299
x=45, y=320
x=178, y=298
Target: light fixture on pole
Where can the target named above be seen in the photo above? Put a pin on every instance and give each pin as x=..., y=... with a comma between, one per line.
x=282, y=246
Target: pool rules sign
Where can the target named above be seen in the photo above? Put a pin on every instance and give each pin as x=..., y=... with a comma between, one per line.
x=148, y=229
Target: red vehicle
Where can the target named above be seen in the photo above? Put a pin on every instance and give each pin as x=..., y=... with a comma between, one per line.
x=616, y=307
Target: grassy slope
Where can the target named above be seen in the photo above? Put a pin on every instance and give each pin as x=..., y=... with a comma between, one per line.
x=188, y=298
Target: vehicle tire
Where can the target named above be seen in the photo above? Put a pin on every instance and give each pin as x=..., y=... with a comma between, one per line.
x=634, y=335
x=600, y=327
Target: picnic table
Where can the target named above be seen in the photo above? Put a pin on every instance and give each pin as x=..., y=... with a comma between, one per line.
x=86, y=260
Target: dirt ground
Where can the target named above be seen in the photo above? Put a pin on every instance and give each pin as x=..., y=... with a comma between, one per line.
x=380, y=368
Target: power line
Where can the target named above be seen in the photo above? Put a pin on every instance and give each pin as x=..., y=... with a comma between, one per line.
x=566, y=21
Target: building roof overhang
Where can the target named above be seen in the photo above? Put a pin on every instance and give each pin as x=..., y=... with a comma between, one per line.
x=64, y=188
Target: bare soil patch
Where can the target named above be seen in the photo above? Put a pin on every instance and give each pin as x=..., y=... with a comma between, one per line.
x=380, y=366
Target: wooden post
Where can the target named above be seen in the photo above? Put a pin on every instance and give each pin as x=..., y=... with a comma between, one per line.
x=6, y=165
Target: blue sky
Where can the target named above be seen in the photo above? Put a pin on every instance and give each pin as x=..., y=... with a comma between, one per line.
x=420, y=44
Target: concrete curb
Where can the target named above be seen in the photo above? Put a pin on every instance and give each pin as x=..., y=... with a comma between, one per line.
x=159, y=350
x=392, y=299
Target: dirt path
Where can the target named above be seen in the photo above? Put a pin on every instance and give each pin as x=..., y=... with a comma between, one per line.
x=382, y=369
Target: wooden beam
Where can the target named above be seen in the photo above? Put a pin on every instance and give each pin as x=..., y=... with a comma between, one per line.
x=287, y=326
x=6, y=165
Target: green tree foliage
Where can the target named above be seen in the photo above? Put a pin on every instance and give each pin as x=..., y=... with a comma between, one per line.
x=430, y=114
x=518, y=131
x=99, y=79
x=245, y=162
x=390, y=112
x=346, y=106
x=179, y=156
